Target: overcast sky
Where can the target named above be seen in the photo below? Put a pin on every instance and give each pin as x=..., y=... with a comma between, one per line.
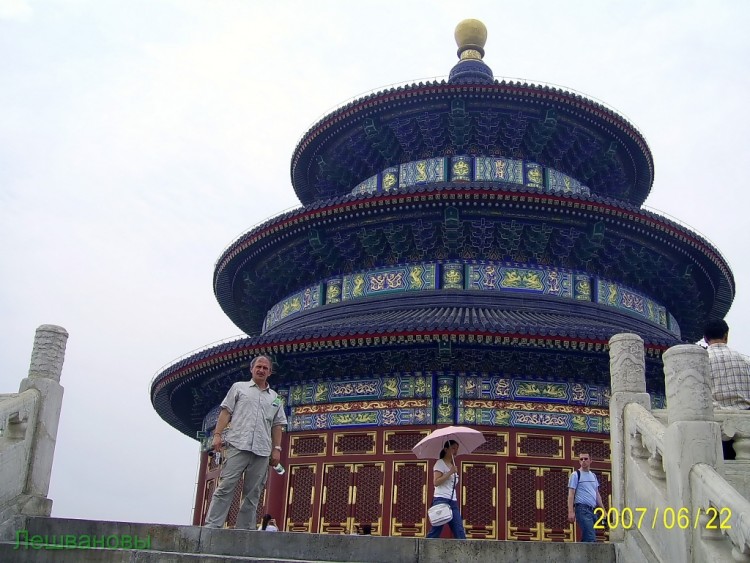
x=139, y=138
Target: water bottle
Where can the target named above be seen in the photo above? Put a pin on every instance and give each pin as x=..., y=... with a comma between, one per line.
x=278, y=468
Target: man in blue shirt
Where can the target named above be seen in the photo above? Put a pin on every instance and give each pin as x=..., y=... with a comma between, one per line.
x=583, y=498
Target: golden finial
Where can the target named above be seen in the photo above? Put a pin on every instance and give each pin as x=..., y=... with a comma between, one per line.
x=471, y=35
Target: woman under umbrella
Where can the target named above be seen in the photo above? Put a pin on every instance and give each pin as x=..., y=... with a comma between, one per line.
x=445, y=479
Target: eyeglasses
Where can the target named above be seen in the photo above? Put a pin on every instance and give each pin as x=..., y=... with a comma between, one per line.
x=584, y=459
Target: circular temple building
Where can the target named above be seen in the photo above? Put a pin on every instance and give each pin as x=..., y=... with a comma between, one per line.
x=464, y=251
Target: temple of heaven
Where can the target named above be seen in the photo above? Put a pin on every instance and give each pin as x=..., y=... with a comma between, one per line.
x=464, y=251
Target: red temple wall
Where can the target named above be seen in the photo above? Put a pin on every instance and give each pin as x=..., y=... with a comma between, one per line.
x=513, y=487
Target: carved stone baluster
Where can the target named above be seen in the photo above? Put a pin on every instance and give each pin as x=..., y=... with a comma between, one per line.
x=637, y=449
x=742, y=446
x=735, y=425
x=656, y=467
x=709, y=534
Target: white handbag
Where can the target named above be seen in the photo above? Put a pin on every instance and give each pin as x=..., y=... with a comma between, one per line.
x=440, y=514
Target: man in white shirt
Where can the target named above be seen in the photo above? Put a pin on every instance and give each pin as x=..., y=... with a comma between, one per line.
x=257, y=420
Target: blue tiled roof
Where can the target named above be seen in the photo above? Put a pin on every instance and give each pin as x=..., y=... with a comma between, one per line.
x=583, y=138
x=250, y=276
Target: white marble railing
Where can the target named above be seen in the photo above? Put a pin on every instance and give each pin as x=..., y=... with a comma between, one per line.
x=18, y=416
x=28, y=432
x=674, y=498
x=720, y=516
x=640, y=423
x=735, y=425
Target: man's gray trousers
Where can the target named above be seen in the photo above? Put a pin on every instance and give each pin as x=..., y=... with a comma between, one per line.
x=255, y=468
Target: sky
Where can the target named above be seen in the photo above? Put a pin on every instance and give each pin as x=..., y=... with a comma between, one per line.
x=139, y=138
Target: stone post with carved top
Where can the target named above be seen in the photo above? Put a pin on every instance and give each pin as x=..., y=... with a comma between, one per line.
x=45, y=370
x=692, y=436
x=627, y=367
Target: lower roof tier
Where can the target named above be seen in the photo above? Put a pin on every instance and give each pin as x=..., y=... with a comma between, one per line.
x=571, y=346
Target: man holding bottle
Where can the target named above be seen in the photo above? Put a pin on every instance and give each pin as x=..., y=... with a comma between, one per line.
x=253, y=442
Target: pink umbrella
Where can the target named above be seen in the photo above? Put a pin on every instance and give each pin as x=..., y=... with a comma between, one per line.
x=430, y=446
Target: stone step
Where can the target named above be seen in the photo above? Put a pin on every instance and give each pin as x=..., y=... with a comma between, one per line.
x=10, y=553
x=185, y=543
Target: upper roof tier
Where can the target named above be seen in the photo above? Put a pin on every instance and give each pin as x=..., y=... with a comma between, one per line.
x=475, y=115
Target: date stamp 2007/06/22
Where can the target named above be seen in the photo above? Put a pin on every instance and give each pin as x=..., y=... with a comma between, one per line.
x=668, y=518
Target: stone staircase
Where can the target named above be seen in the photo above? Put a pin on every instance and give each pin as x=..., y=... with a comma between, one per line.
x=28, y=423
x=663, y=462
x=191, y=544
